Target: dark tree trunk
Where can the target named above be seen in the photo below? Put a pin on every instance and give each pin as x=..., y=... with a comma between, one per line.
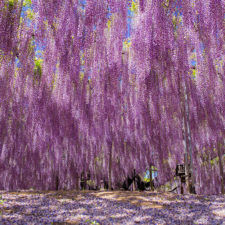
x=56, y=183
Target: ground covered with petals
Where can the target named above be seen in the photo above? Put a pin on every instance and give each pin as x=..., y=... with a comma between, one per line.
x=116, y=207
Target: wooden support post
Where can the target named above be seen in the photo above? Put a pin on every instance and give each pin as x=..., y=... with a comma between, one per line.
x=110, y=168
x=83, y=181
x=181, y=188
x=191, y=179
x=134, y=188
x=151, y=178
x=220, y=156
x=57, y=183
x=188, y=161
x=102, y=185
x=78, y=183
x=185, y=142
x=110, y=146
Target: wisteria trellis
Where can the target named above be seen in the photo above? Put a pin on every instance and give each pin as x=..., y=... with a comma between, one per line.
x=77, y=93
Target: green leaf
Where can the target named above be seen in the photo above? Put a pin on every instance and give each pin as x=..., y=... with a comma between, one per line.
x=38, y=68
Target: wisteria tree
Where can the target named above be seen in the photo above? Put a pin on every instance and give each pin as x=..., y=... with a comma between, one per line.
x=105, y=87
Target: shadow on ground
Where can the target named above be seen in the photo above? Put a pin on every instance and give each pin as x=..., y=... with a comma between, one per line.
x=114, y=207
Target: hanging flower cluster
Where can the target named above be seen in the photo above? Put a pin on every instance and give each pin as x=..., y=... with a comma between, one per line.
x=108, y=86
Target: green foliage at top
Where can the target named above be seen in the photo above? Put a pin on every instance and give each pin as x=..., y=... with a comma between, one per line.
x=10, y=4
x=27, y=3
x=38, y=69
x=38, y=65
x=134, y=6
x=30, y=14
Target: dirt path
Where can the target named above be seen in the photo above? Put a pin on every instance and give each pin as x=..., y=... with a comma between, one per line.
x=116, y=207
